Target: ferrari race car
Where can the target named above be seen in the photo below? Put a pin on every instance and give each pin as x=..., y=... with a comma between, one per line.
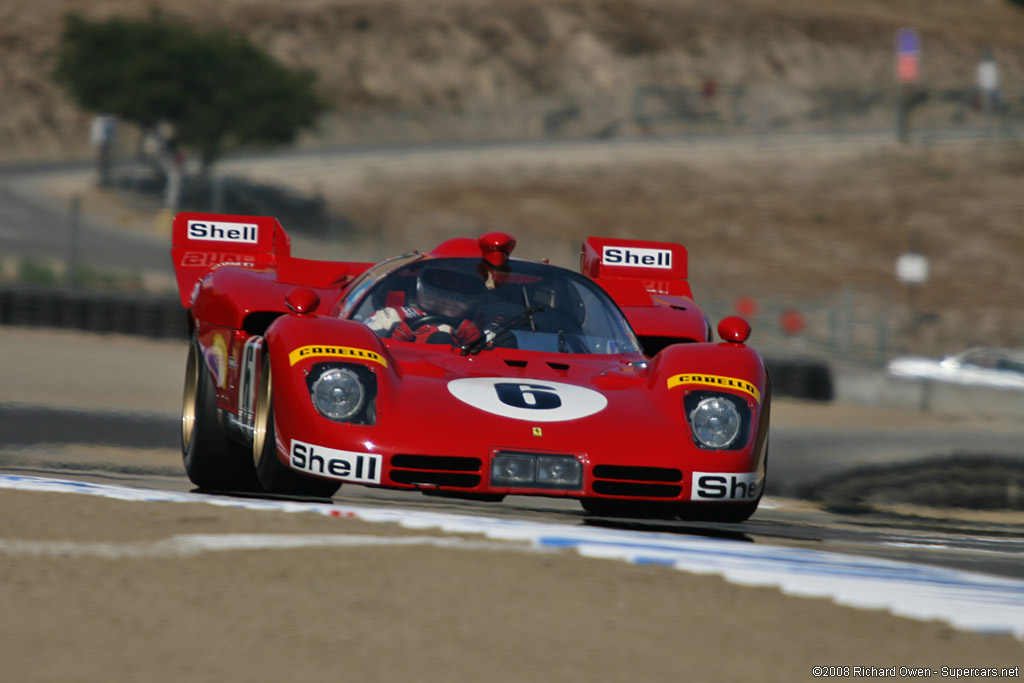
x=466, y=372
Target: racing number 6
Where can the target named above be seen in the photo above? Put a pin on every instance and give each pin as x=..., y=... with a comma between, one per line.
x=532, y=396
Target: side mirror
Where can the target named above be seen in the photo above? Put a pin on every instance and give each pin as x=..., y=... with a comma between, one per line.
x=302, y=301
x=734, y=329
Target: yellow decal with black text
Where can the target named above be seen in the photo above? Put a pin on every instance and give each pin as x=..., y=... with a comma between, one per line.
x=305, y=352
x=219, y=357
x=716, y=380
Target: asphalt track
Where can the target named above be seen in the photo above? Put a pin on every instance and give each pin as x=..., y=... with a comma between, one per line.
x=91, y=486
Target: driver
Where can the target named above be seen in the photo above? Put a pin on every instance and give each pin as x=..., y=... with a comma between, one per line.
x=446, y=300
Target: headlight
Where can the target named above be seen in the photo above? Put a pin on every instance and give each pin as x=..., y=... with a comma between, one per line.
x=715, y=422
x=514, y=469
x=559, y=471
x=338, y=394
x=529, y=470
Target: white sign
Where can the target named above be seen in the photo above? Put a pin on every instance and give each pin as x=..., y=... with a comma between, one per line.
x=636, y=256
x=912, y=268
x=223, y=232
x=725, y=486
x=988, y=76
x=361, y=468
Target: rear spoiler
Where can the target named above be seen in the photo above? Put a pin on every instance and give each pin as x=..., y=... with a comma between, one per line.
x=202, y=241
x=648, y=282
x=627, y=268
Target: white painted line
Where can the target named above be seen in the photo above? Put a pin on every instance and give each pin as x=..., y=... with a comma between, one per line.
x=966, y=600
x=187, y=545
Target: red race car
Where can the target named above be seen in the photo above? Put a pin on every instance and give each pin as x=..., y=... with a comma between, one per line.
x=466, y=372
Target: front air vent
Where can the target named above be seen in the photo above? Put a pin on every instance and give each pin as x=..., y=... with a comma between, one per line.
x=436, y=462
x=633, y=489
x=628, y=473
x=639, y=482
x=436, y=470
x=452, y=479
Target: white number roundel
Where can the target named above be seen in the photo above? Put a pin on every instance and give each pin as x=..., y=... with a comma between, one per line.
x=528, y=399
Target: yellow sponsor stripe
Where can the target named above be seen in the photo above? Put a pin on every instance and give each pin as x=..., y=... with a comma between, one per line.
x=321, y=350
x=716, y=380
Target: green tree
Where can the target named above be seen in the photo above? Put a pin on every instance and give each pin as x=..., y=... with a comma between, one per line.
x=215, y=87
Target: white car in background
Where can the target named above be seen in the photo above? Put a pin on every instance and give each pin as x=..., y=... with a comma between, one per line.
x=982, y=366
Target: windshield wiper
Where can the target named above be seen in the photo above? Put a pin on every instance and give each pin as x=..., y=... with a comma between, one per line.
x=478, y=345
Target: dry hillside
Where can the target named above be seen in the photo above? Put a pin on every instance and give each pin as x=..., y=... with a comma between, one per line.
x=787, y=225
x=443, y=69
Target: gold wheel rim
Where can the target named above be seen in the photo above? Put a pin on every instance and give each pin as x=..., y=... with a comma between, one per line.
x=259, y=431
x=188, y=405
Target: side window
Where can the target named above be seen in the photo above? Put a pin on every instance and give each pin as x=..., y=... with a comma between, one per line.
x=358, y=296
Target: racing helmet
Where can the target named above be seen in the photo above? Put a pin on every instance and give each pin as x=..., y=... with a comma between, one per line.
x=446, y=291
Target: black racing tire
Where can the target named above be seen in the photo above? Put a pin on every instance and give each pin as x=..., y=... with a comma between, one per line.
x=212, y=460
x=637, y=509
x=275, y=476
x=694, y=512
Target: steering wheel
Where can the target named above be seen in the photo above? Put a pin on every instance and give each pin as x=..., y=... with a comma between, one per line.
x=434, y=319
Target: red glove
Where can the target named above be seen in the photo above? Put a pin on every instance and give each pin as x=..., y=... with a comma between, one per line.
x=467, y=333
x=403, y=332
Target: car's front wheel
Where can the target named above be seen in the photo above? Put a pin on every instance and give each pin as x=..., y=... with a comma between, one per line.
x=275, y=476
x=638, y=509
x=212, y=460
x=693, y=512
x=717, y=512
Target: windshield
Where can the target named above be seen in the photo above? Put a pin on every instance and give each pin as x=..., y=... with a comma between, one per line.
x=530, y=306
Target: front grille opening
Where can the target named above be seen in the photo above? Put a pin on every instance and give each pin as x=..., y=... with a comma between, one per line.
x=436, y=462
x=514, y=363
x=642, y=474
x=628, y=488
x=436, y=470
x=453, y=479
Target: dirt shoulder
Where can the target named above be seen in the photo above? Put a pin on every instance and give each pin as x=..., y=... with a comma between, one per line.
x=126, y=610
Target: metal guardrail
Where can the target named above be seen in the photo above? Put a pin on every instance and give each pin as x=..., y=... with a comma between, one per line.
x=142, y=314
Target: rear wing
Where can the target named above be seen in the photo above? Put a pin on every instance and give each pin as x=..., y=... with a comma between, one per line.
x=658, y=267
x=202, y=241
x=259, y=249
x=648, y=282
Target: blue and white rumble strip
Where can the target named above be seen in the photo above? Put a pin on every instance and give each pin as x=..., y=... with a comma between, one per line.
x=965, y=600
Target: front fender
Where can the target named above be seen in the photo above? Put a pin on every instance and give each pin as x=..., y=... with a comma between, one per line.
x=297, y=339
x=298, y=343
x=728, y=367
x=735, y=368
